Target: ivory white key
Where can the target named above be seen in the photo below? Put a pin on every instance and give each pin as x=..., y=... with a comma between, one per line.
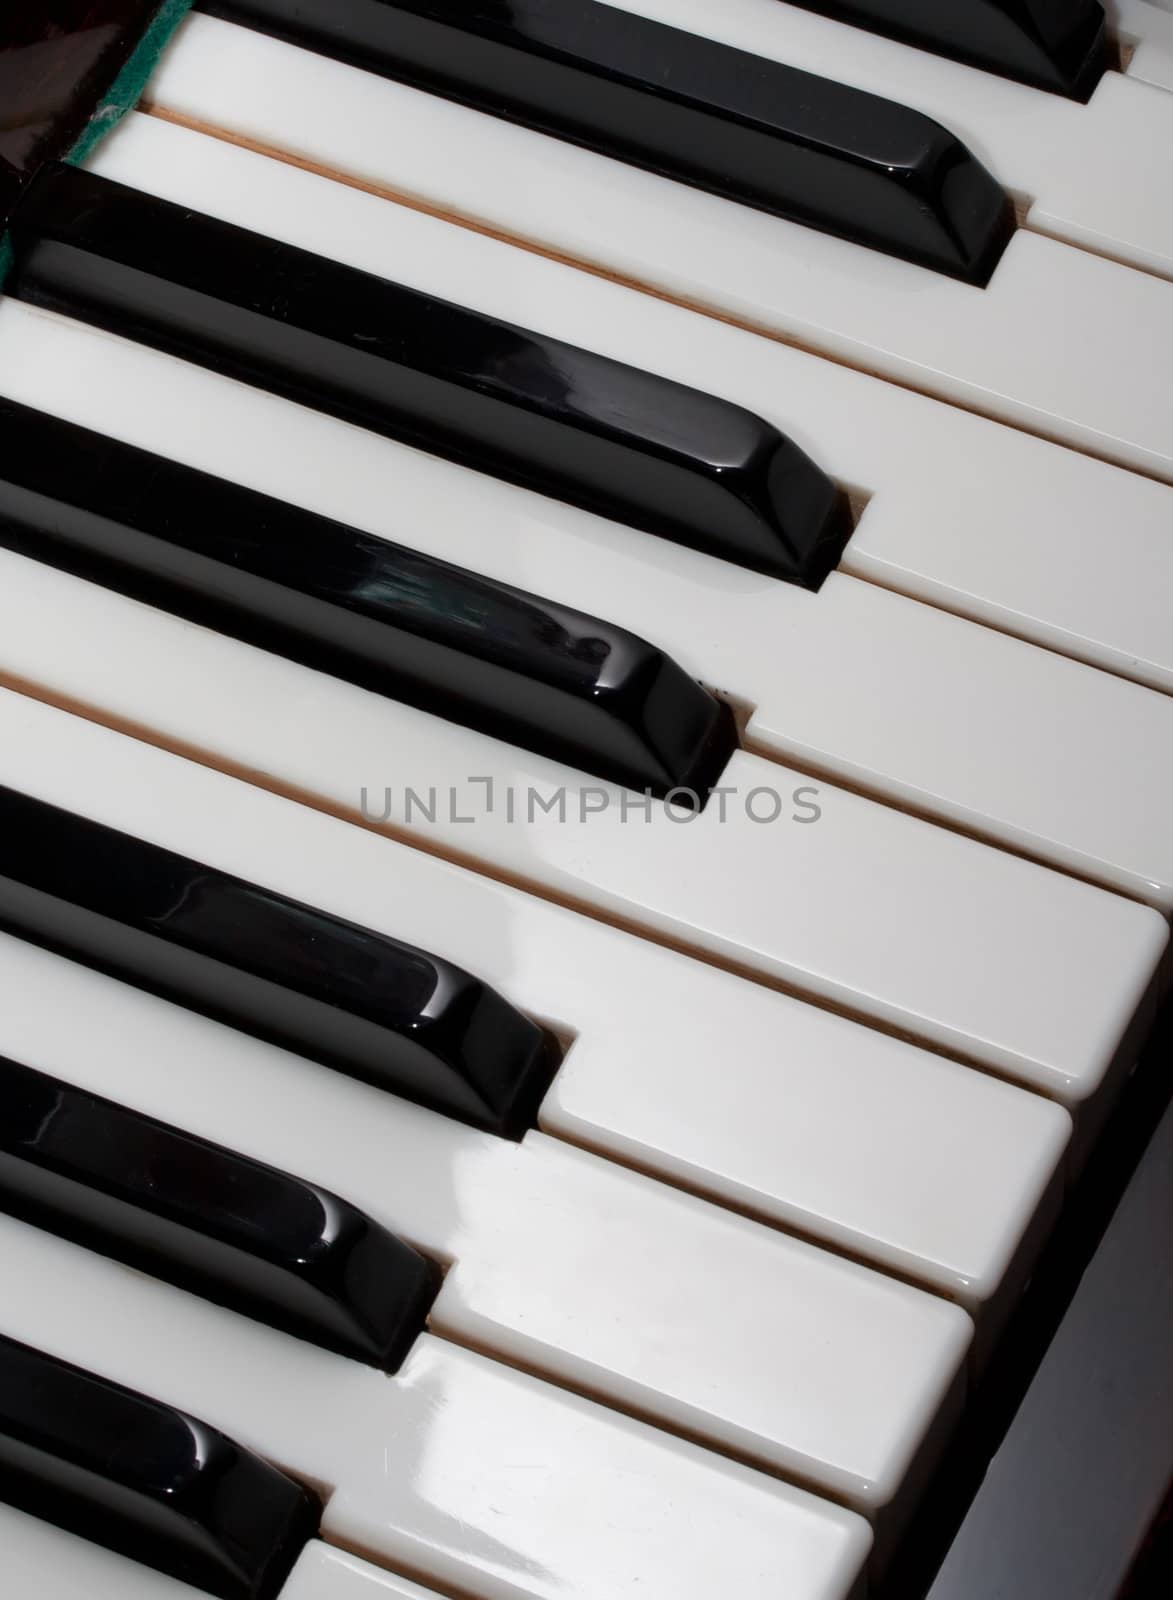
x=921, y=707
x=1038, y=975
x=924, y=1167
x=482, y=1479
x=627, y=1263
x=1145, y=30
x=40, y=1559
x=636, y=1285
x=323, y=1573
x=1036, y=347
x=37, y=1558
x=974, y=516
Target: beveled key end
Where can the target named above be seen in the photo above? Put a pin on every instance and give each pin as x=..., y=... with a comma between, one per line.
x=140, y=1477
x=1062, y=47
x=349, y=996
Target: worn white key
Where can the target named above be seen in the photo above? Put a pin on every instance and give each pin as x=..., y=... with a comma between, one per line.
x=323, y=1573
x=976, y=517
x=483, y=1480
x=1145, y=31
x=40, y=1559
x=1040, y=976
x=37, y=1558
x=1063, y=342
x=813, y=1123
x=958, y=721
x=636, y=1285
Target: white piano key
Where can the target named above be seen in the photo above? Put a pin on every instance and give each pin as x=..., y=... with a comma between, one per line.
x=474, y=1476
x=570, y=1266
x=40, y=1559
x=323, y=1573
x=1063, y=342
x=589, y=1493
x=855, y=681
x=1039, y=976
x=626, y=1264
x=923, y=1167
x=1144, y=29
x=973, y=516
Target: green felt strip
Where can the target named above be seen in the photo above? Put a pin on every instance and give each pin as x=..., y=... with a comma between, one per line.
x=124, y=93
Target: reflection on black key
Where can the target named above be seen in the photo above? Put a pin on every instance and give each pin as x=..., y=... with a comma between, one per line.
x=785, y=141
x=343, y=994
x=142, y=1478
x=228, y=1228
x=1059, y=45
x=516, y=404
x=479, y=652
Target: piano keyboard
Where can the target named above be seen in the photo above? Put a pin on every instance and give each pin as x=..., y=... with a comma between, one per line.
x=586, y=755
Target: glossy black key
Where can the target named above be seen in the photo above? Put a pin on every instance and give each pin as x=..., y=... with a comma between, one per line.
x=757, y=131
x=327, y=988
x=228, y=1228
x=140, y=1477
x=519, y=405
x=468, y=648
x=1060, y=45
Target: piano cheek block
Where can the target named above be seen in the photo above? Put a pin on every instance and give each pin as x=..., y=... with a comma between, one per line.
x=227, y=1227
x=352, y=998
x=137, y=1476
x=580, y=427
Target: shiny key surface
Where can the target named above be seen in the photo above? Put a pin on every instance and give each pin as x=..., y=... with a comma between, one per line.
x=1007, y=351
x=857, y=681
x=478, y=1479
x=789, y=142
x=252, y=1237
x=623, y=1258
x=815, y=1124
x=534, y=410
x=866, y=890
x=377, y=613
x=1059, y=45
x=145, y=1478
x=407, y=1020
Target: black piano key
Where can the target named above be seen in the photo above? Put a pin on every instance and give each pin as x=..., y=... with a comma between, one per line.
x=342, y=994
x=145, y=1479
x=468, y=648
x=1060, y=45
x=533, y=410
x=757, y=131
x=229, y=1228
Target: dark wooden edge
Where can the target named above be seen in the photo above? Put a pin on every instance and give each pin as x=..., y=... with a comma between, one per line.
x=58, y=60
x=1058, y=1485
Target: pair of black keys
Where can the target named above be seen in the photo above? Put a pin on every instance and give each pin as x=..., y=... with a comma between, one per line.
x=96, y=1458
x=126, y=1470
